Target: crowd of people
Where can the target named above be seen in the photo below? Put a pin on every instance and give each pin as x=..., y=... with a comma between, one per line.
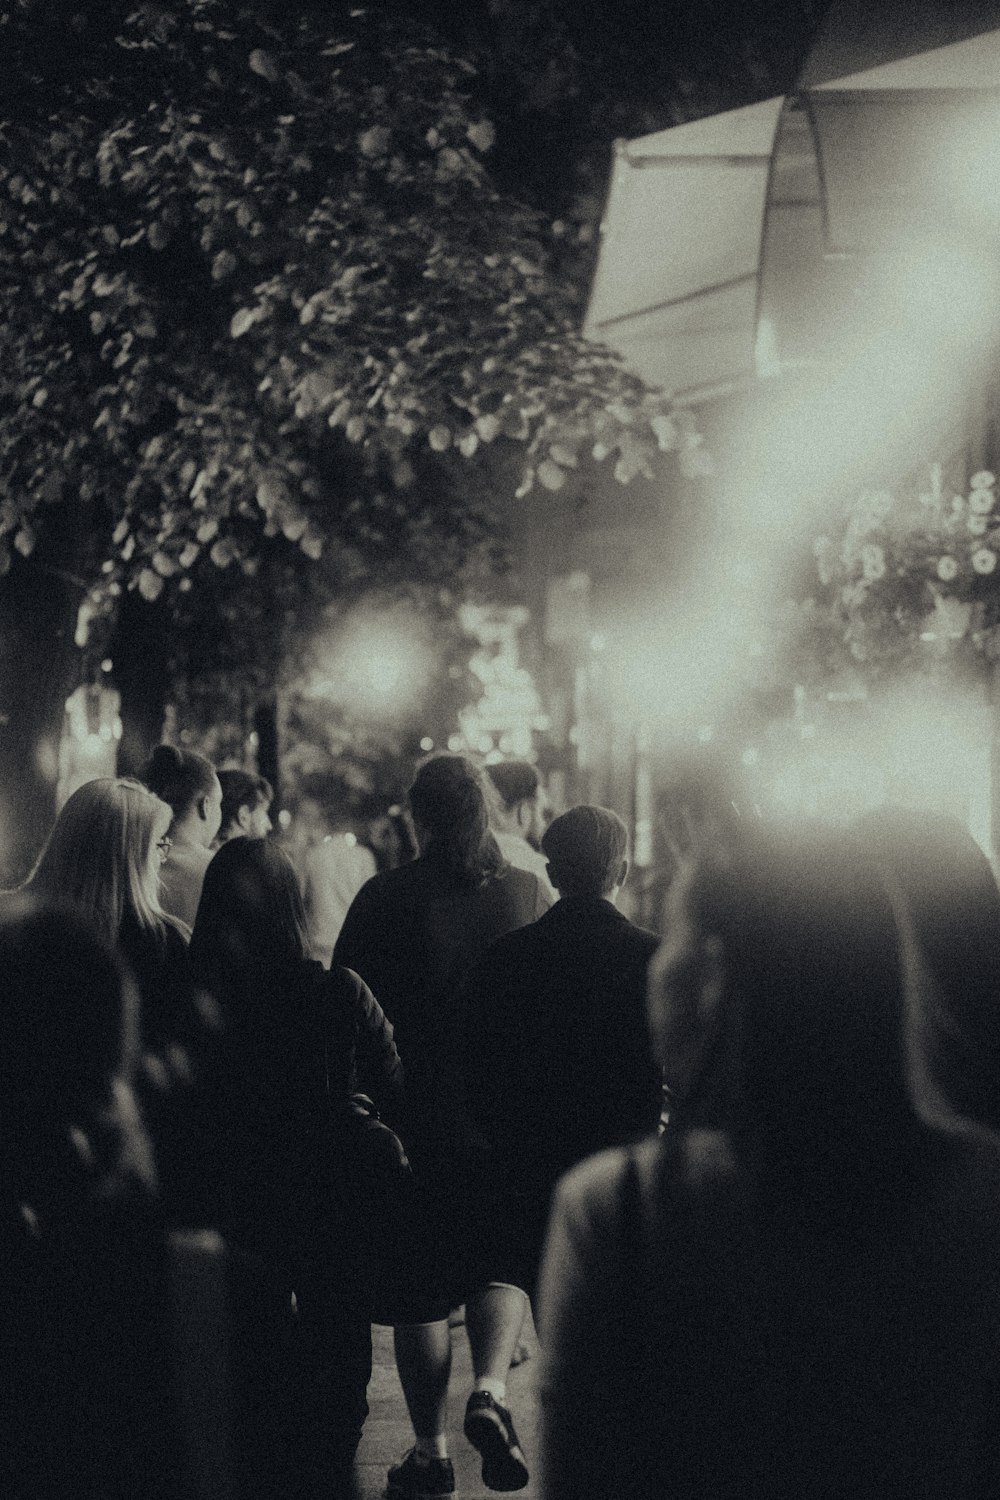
x=259, y=1093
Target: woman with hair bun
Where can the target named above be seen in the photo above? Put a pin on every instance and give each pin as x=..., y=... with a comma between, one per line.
x=187, y=782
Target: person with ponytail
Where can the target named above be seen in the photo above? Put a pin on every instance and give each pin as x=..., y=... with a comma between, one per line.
x=411, y=933
x=187, y=782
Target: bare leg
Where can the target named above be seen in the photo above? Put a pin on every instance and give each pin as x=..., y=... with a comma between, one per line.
x=494, y=1317
x=423, y=1359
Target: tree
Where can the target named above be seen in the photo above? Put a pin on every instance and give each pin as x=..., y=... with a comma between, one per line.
x=252, y=263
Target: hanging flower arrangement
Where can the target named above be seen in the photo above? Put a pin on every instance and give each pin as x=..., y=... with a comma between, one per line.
x=913, y=578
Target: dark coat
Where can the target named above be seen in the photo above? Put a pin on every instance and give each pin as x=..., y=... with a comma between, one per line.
x=411, y=933
x=558, y=1060
x=295, y=1048
x=694, y=1350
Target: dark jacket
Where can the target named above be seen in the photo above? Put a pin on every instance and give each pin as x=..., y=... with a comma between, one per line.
x=180, y=1039
x=558, y=1062
x=693, y=1349
x=411, y=933
x=293, y=1051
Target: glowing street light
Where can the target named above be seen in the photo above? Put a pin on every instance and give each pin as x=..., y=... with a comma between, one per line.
x=377, y=663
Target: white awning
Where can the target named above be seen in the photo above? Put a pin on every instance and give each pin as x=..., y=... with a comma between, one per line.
x=721, y=238
x=676, y=283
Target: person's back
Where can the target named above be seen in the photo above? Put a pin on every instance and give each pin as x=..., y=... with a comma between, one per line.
x=795, y=1293
x=735, y=1367
x=411, y=933
x=558, y=1061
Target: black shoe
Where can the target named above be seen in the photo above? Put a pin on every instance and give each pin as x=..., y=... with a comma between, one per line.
x=489, y=1428
x=413, y=1480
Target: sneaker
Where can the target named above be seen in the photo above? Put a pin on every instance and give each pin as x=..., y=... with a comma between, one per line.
x=489, y=1428
x=413, y=1479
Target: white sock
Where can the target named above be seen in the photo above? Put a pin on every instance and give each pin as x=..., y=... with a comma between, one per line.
x=496, y=1388
x=428, y=1448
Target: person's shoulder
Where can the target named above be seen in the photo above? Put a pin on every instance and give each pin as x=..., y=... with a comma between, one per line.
x=506, y=951
x=384, y=886
x=363, y=859
x=597, y=1182
x=643, y=939
x=341, y=981
x=524, y=887
x=189, y=859
x=176, y=937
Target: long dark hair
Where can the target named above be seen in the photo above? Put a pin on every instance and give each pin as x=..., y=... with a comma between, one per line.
x=808, y=1073
x=450, y=802
x=251, y=924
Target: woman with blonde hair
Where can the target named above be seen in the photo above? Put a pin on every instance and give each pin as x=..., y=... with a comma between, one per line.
x=102, y=860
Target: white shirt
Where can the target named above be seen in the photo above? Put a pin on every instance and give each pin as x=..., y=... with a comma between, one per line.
x=519, y=853
x=334, y=870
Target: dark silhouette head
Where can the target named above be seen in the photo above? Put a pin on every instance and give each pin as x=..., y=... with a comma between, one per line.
x=779, y=1005
x=586, y=848
x=246, y=798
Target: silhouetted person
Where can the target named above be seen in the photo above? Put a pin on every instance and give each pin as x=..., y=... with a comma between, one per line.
x=411, y=933
x=558, y=1064
x=298, y=1042
x=104, y=859
x=113, y=1333
x=794, y=1292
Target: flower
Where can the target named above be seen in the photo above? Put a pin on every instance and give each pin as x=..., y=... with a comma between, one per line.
x=976, y=524
x=872, y=562
x=981, y=501
x=947, y=568
x=984, y=480
x=985, y=560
